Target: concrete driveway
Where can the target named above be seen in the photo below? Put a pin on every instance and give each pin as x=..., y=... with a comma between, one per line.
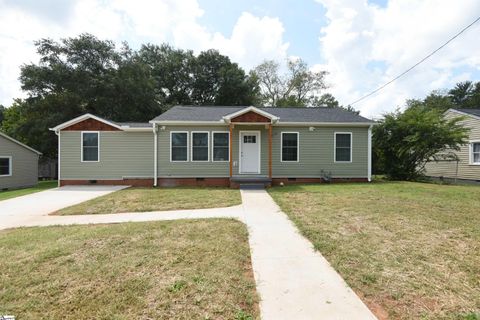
x=22, y=210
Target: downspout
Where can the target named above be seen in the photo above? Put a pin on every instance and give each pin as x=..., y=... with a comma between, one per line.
x=369, y=153
x=155, y=156
x=58, y=164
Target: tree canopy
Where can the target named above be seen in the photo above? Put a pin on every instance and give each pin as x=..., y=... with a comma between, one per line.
x=404, y=141
x=298, y=86
x=85, y=74
x=465, y=95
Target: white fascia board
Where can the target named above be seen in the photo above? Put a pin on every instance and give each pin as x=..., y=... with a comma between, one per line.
x=83, y=118
x=253, y=109
x=19, y=143
x=463, y=113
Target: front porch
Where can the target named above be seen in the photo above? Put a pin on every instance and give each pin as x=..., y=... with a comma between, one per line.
x=250, y=160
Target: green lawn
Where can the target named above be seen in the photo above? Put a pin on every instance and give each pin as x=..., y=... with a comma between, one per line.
x=41, y=186
x=410, y=250
x=198, y=269
x=157, y=199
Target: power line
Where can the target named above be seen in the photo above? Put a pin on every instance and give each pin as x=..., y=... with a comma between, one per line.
x=415, y=65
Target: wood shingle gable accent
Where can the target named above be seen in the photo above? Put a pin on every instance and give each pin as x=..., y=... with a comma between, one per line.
x=251, y=116
x=90, y=125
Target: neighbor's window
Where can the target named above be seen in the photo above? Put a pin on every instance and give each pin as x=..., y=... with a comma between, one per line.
x=343, y=147
x=5, y=166
x=200, y=146
x=289, y=146
x=221, y=142
x=179, y=146
x=90, y=147
x=476, y=152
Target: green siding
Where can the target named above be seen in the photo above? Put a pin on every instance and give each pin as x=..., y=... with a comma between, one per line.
x=122, y=154
x=24, y=165
x=317, y=153
x=166, y=168
x=466, y=170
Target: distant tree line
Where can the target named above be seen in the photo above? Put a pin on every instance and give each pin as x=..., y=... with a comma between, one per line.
x=85, y=74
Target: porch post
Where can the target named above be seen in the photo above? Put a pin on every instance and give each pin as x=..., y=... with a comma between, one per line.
x=230, y=148
x=270, y=151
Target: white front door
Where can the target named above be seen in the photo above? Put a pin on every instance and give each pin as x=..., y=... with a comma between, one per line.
x=249, y=152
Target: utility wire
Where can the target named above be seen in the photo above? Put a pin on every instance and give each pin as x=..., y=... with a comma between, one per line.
x=415, y=65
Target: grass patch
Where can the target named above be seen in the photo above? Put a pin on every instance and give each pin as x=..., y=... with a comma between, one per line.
x=410, y=250
x=157, y=199
x=198, y=269
x=41, y=186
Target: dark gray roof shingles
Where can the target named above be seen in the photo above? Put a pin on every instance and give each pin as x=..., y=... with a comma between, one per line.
x=286, y=114
x=475, y=112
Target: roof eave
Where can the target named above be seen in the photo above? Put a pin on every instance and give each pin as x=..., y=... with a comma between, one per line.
x=463, y=113
x=19, y=143
x=228, y=117
x=83, y=118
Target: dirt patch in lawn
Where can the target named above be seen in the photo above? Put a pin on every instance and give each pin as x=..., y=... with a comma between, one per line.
x=197, y=269
x=408, y=249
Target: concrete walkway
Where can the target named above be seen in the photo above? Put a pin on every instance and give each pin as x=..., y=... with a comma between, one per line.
x=293, y=281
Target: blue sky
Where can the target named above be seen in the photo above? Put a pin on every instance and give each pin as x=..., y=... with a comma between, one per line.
x=362, y=44
x=302, y=20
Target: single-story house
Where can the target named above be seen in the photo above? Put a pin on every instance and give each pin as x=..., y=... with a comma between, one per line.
x=213, y=145
x=466, y=166
x=18, y=164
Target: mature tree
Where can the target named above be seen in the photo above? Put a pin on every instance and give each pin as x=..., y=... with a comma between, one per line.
x=2, y=111
x=404, y=141
x=465, y=95
x=327, y=100
x=218, y=81
x=297, y=87
x=85, y=74
x=207, y=79
x=172, y=71
x=76, y=76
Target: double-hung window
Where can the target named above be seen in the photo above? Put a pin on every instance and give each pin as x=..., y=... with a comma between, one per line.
x=90, y=147
x=221, y=146
x=200, y=145
x=343, y=147
x=289, y=147
x=178, y=146
x=5, y=166
x=475, y=152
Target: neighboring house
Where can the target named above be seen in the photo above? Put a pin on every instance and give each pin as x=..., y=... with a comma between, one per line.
x=468, y=165
x=199, y=145
x=18, y=164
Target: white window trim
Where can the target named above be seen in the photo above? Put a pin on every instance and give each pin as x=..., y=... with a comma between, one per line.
x=10, y=168
x=81, y=150
x=298, y=147
x=208, y=146
x=259, y=133
x=213, y=146
x=470, y=152
x=188, y=140
x=335, y=147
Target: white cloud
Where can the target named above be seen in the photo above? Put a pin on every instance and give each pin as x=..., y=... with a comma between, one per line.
x=177, y=22
x=365, y=46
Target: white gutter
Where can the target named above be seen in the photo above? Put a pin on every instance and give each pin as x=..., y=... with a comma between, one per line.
x=279, y=123
x=59, y=146
x=155, y=160
x=369, y=148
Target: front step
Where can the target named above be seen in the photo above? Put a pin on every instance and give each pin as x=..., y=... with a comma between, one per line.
x=252, y=186
x=250, y=182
